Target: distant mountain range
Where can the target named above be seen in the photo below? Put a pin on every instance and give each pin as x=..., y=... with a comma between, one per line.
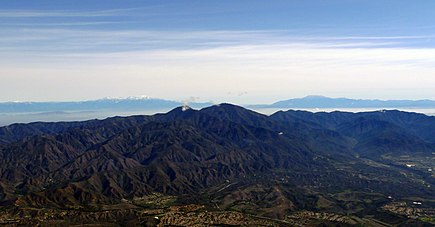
x=24, y=112
x=106, y=104
x=315, y=101
x=223, y=158
x=146, y=103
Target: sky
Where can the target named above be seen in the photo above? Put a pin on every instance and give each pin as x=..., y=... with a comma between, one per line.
x=244, y=51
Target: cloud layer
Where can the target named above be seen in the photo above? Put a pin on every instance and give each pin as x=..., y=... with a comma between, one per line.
x=88, y=54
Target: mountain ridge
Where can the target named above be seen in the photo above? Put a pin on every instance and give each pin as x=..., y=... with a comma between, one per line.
x=142, y=103
x=317, y=101
x=25, y=112
x=221, y=156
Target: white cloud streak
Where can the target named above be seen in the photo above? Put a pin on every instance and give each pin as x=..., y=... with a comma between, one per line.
x=75, y=40
x=267, y=66
x=11, y=13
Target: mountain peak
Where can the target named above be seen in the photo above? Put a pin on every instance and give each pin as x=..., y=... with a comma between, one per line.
x=142, y=97
x=315, y=97
x=228, y=108
x=185, y=108
x=318, y=101
x=181, y=109
x=226, y=105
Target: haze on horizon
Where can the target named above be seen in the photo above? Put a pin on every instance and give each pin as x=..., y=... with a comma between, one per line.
x=221, y=51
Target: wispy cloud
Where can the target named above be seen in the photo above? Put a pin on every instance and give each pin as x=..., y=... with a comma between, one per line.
x=214, y=50
x=265, y=71
x=264, y=45
x=11, y=13
x=65, y=24
x=78, y=41
x=267, y=65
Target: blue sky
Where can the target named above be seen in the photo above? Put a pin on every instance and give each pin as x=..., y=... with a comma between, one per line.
x=220, y=51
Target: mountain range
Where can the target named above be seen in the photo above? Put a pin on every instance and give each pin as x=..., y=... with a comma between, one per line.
x=25, y=112
x=315, y=101
x=147, y=103
x=105, y=104
x=361, y=167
